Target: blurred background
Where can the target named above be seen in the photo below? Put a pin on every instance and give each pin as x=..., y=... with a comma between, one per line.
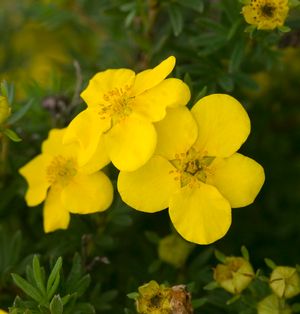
x=50, y=49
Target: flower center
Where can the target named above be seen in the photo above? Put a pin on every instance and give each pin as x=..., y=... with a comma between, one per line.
x=267, y=10
x=61, y=170
x=192, y=167
x=117, y=104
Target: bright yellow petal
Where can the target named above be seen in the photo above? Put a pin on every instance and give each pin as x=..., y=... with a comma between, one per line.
x=149, y=188
x=86, y=128
x=98, y=160
x=54, y=146
x=104, y=82
x=130, y=143
x=56, y=215
x=36, y=176
x=169, y=93
x=223, y=125
x=238, y=178
x=200, y=214
x=150, y=78
x=176, y=133
x=88, y=194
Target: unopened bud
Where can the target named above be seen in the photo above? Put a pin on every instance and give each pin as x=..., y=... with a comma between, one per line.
x=234, y=275
x=273, y=305
x=174, y=250
x=285, y=282
x=5, y=109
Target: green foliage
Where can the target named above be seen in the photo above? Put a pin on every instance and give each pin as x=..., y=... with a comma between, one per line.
x=50, y=295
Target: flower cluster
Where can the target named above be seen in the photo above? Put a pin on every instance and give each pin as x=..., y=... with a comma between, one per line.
x=168, y=156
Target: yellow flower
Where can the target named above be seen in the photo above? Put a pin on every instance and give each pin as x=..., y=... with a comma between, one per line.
x=3, y=312
x=66, y=187
x=266, y=14
x=121, y=109
x=5, y=109
x=196, y=171
x=234, y=275
x=285, y=282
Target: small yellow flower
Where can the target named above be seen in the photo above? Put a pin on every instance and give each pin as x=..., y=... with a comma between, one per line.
x=5, y=109
x=196, y=171
x=266, y=14
x=273, y=305
x=66, y=187
x=285, y=282
x=234, y=275
x=3, y=312
x=122, y=107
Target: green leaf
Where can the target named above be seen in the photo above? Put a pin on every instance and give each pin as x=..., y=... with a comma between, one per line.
x=284, y=29
x=220, y=256
x=211, y=286
x=12, y=135
x=294, y=3
x=176, y=19
x=245, y=253
x=152, y=237
x=54, y=278
x=133, y=295
x=37, y=273
x=56, y=305
x=199, y=302
x=236, y=57
x=27, y=288
x=233, y=299
x=270, y=263
x=201, y=94
x=16, y=116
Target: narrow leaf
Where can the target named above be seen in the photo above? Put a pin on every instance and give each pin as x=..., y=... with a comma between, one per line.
x=12, y=135
x=27, y=288
x=56, y=305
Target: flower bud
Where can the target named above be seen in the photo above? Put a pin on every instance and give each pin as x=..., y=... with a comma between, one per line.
x=154, y=299
x=234, y=275
x=4, y=109
x=174, y=250
x=158, y=299
x=285, y=282
x=273, y=305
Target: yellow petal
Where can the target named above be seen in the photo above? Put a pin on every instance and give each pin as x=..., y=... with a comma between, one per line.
x=88, y=194
x=53, y=145
x=35, y=173
x=176, y=133
x=130, y=143
x=223, y=125
x=200, y=214
x=86, y=128
x=169, y=93
x=150, y=78
x=238, y=178
x=150, y=187
x=98, y=160
x=104, y=82
x=56, y=215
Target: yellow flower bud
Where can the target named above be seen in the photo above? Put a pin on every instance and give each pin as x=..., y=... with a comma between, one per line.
x=273, y=305
x=174, y=250
x=234, y=275
x=4, y=109
x=285, y=282
x=154, y=299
